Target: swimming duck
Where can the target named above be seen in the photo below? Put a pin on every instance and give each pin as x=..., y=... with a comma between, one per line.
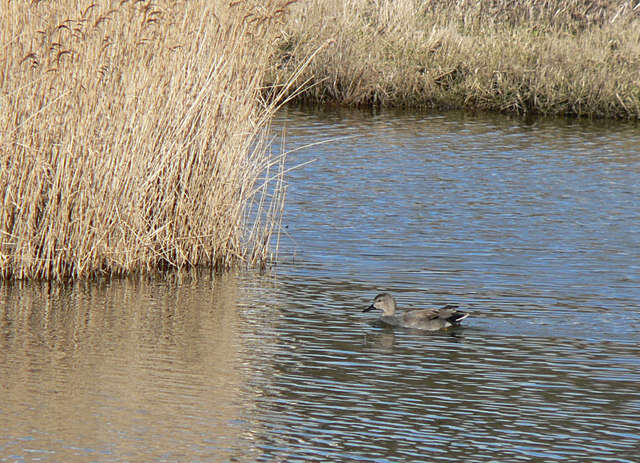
x=422, y=319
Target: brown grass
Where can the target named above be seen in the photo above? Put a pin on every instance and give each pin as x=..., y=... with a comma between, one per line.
x=554, y=57
x=132, y=138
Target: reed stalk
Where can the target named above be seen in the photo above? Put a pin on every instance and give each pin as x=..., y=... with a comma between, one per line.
x=132, y=136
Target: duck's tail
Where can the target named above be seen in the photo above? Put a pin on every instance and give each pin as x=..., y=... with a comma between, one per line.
x=457, y=316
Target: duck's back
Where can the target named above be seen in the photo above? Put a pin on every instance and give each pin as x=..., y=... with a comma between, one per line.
x=433, y=319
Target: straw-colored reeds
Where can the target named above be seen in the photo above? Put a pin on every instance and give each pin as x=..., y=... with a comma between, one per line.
x=132, y=136
x=554, y=57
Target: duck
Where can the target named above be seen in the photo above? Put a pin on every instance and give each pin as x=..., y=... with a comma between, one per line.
x=421, y=319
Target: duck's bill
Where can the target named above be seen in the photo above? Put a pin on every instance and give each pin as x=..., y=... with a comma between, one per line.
x=370, y=308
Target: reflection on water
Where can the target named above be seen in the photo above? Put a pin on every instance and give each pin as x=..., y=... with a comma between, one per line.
x=533, y=228
x=122, y=371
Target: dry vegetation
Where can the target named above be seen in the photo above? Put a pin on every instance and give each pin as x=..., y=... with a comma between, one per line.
x=132, y=136
x=554, y=57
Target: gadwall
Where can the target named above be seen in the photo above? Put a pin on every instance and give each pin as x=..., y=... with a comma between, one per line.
x=422, y=319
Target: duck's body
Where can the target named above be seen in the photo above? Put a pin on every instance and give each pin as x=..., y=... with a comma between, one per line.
x=423, y=319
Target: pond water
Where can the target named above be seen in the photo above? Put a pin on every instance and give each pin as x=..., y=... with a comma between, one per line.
x=532, y=226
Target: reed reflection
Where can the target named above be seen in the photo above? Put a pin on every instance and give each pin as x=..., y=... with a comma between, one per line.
x=94, y=369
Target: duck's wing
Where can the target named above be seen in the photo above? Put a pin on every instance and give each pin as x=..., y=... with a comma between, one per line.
x=422, y=315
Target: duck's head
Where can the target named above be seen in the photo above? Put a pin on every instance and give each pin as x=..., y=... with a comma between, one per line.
x=384, y=302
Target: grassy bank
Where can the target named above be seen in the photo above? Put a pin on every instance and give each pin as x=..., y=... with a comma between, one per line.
x=131, y=136
x=553, y=57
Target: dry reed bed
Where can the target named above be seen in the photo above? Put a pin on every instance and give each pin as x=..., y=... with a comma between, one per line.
x=132, y=138
x=554, y=57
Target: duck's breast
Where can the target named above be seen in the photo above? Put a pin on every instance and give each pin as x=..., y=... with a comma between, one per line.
x=390, y=320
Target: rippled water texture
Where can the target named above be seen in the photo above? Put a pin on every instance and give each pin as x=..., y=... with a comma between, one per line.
x=534, y=228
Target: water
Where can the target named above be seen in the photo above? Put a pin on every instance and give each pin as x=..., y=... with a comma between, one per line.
x=532, y=227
